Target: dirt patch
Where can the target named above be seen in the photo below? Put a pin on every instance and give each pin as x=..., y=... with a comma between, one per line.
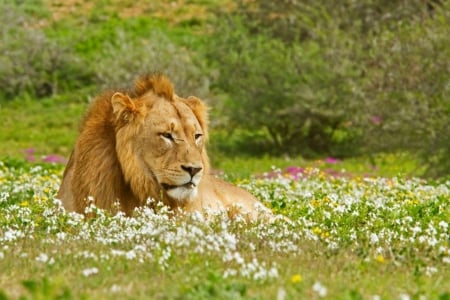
x=176, y=11
x=63, y=8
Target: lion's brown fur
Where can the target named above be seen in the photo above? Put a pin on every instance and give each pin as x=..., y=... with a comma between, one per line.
x=159, y=84
x=147, y=143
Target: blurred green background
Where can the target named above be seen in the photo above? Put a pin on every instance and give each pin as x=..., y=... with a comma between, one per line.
x=366, y=83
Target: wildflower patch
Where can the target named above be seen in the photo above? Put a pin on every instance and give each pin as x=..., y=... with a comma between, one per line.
x=345, y=235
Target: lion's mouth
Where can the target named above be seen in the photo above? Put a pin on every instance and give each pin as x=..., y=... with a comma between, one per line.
x=188, y=185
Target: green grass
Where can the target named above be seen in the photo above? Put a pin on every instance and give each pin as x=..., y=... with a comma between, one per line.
x=355, y=237
x=49, y=126
x=386, y=165
x=348, y=239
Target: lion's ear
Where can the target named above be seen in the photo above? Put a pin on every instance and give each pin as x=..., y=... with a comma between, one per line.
x=124, y=107
x=200, y=110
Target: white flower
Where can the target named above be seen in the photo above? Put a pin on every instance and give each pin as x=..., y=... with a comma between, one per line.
x=12, y=235
x=273, y=273
x=61, y=236
x=320, y=289
x=130, y=255
x=374, y=238
x=430, y=271
x=42, y=258
x=229, y=273
x=90, y=271
x=416, y=229
x=116, y=288
x=443, y=224
x=404, y=297
x=281, y=294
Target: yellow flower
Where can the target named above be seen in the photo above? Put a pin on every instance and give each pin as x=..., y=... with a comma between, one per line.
x=24, y=203
x=379, y=258
x=315, y=203
x=317, y=230
x=297, y=278
x=325, y=234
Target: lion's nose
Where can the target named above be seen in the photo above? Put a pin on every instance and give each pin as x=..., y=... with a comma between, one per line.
x=191, y=170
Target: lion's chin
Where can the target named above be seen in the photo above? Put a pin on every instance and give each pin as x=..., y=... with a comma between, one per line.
x=183, y=193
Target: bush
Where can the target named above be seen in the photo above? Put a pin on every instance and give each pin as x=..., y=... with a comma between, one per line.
x=31, y=62
x=289, y=90
x=298, y=21
x=339, y=78
x=405, y=90
x=124, y=58
x=100, y=55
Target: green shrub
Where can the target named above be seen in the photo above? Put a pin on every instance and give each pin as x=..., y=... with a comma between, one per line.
x=339, y=78
x=407, y=87
x=31, y=62
x=123, y=58
x=297, y=21
x=289, y=90
x=46, y=60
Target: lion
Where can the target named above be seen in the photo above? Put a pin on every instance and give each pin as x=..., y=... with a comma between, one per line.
x=148, y=143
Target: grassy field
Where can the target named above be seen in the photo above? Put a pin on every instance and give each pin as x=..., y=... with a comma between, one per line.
x=349, y=238
x=361, y=228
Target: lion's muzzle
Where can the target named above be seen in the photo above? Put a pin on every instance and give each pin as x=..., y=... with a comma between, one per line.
x=186, y=188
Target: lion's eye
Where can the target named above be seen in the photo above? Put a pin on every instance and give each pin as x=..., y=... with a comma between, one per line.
x=197, y=136
x=167, y=135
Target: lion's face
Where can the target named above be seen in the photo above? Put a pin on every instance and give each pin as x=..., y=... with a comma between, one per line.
x=171, y=148
x=167, y=139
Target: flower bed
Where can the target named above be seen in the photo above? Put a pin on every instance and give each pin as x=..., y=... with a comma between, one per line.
x=368, y=237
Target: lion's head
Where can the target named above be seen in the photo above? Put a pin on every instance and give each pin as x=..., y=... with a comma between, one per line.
x=164, y=134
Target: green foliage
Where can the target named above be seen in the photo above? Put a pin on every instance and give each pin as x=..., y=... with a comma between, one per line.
x=31, y=62
x=214, y=287
x=105, y=53
x=45, y=289
x=326, y=78
x=408, y=82
x=122, y=58
x=298, y=21
x=271, y=85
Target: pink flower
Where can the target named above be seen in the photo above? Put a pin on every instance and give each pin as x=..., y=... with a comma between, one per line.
x=53, y=158
x=295, y=171
x=331, y=160
x=29, y=154
x=29, y=151
x=376, y=120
